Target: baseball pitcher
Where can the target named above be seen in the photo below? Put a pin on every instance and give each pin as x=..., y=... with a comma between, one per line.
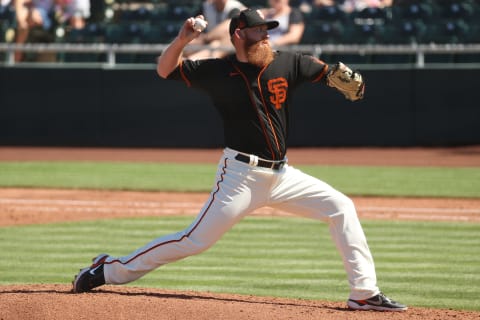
x=252, y=90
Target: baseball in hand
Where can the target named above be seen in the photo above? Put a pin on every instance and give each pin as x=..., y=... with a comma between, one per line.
x=199, y=25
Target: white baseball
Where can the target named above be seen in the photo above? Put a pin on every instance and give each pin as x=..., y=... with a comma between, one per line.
x=199, y=25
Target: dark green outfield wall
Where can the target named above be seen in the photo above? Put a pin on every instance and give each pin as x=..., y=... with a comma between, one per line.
x=135, y=108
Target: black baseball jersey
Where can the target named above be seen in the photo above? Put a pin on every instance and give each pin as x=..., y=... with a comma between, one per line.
x=253, y=102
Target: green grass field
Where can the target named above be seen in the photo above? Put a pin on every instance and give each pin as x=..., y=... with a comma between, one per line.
x=419, y=263
x=367, y=181
x=429, y=264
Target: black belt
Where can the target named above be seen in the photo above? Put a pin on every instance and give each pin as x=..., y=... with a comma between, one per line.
x=275, y=165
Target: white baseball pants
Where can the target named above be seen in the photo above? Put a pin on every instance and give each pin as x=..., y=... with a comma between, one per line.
x=240, y=189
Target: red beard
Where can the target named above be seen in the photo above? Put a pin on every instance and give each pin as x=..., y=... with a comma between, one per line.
x=259, y=53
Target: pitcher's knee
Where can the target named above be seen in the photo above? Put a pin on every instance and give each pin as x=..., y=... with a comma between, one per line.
x=195, y=246
x=344, y=206
x=347, y=203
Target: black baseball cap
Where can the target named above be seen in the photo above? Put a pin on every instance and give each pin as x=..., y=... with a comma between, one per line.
x=250, y=18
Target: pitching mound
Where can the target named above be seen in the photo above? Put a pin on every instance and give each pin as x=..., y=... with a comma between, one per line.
x=56, y=302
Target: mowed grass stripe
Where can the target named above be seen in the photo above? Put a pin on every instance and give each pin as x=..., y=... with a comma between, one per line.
x=352, y=180
x=288, y=257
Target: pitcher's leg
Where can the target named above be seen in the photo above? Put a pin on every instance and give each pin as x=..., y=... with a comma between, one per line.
x=350, y=240
x=228, y=203
x=207, y=229
x=310, y=197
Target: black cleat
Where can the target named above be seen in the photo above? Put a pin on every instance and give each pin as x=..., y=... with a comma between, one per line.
x=90, y=277
x=380, y=302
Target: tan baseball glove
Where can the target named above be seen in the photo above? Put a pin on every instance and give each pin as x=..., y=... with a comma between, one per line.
x=348, y=82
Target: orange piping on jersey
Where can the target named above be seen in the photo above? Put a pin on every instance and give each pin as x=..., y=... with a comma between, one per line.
x=184, y=77
x=324, y=71
x=266, y=111
x=253, y=106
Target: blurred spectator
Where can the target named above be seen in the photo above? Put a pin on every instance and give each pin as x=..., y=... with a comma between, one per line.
x=324, y=3
x=6, y=7
x=44, y=16
x=306, y=6
x=7, y=21
x=218, y=14
x=347, y=6
x=73, y=12
x=292, y=24
x=358, y=5
x=4, y=4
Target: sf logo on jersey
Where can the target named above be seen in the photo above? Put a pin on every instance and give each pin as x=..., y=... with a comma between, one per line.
x=278, y=89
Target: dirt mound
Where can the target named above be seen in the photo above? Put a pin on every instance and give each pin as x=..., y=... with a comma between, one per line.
x=56, y=302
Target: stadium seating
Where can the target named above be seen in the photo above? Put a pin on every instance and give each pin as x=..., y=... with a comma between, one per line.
x=327, y=13
x=158, y=21
x=323, y=32
x=7, y=18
